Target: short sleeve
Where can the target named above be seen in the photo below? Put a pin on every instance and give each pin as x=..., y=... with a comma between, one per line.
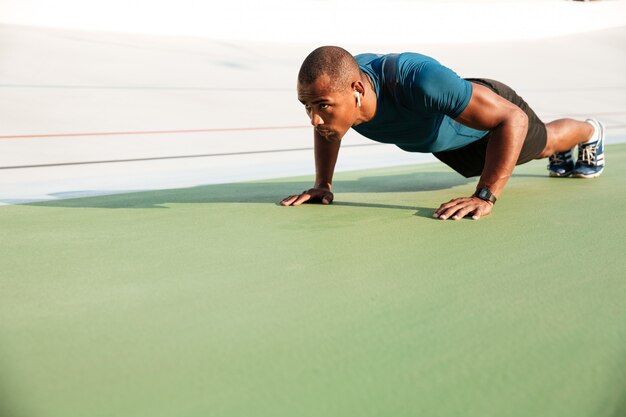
x=437, y=89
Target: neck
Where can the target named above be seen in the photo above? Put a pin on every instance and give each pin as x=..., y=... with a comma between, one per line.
x=369, y=101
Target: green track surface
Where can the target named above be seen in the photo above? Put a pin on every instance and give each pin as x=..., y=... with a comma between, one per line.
x=216, y=301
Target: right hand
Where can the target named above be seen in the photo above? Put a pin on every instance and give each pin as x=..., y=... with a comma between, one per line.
x=312, y=195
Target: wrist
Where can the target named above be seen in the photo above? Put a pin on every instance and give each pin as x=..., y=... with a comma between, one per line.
x=485, y=194
x=323, y=185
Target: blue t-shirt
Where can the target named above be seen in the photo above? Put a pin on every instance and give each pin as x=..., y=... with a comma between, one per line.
x=420, y=117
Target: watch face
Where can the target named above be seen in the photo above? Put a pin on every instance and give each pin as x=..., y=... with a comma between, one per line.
x=485, y=194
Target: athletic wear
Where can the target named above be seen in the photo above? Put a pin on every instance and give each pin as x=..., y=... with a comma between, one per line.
x=561, y=164
x=590, y=163
x=417, y=100
x=470, y=160
x=420, y=117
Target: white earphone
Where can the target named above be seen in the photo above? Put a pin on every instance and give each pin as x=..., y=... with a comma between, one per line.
x=357, y=95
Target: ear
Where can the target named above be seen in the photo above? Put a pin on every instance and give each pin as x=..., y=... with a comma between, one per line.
x=358, y=87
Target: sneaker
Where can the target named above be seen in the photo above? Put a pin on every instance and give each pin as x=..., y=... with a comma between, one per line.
x=561, y=164
x=590, y=163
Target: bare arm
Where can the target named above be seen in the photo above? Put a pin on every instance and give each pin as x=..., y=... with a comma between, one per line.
x=508, y=125
x=326, y=152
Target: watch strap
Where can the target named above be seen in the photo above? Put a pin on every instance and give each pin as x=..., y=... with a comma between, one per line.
x=485, y=193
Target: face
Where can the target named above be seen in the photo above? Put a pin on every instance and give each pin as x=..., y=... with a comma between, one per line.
x=331, y=113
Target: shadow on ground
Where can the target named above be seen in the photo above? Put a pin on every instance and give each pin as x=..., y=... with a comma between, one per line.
x=263, y=192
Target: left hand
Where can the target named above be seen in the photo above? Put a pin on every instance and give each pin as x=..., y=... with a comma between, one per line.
x=460, y=207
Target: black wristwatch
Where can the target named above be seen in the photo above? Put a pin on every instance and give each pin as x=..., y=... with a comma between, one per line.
x=485, y=194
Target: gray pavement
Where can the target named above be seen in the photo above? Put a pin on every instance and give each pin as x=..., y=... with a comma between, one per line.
x=84, y=112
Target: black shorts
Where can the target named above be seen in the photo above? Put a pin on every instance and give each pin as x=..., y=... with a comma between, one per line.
x=470, y=159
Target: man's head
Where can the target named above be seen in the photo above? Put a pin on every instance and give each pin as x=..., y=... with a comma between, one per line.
x=328, y=82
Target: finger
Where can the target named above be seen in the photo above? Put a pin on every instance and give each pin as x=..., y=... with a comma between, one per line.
x=470, y=207
x=287, y=201
x=441, y=209
x=451, y=212
x=446, y=210
x=302, y=198
x=461, y=213
x=446, y=206
x=481, y=211
x=327, y=198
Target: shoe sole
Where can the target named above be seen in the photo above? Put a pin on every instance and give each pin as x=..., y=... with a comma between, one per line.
x=556, y=175
x=594, y=175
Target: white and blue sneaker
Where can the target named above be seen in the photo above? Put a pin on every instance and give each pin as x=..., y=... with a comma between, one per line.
x=561, y=164
x=590, y=163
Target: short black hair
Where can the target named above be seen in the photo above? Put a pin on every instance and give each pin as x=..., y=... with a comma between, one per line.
x=333, y=61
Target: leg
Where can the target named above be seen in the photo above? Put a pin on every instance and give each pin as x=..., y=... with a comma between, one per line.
x=555, y=139
x=564, y=134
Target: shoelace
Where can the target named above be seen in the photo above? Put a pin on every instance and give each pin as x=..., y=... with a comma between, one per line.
x=588, y=155
x=558, y=158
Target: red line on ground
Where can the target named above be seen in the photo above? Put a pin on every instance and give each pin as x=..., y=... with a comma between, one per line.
x=242, y=129
x=152, y=132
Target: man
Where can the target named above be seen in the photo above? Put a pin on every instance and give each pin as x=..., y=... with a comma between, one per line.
x=478, y=127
